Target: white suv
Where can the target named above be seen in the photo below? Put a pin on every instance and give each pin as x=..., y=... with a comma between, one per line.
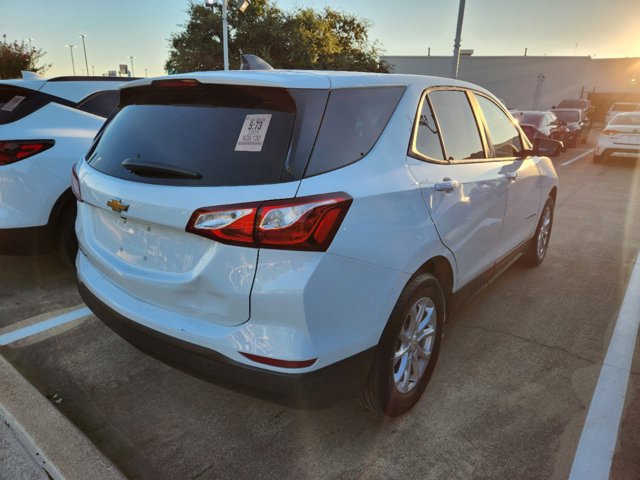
x=305, y=234
x=45, y=125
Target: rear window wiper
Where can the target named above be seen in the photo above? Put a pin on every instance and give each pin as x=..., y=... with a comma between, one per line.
x=158, y=170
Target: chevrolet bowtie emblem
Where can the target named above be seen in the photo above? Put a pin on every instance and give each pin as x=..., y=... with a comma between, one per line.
x=117, y=205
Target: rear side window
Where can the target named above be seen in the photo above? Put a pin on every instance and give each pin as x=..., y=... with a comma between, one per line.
x=13, y=102
x=226, y=135
x=458, y=126
x=101, y=103
x=427, y=141
x=353, y=121
x=504, y=135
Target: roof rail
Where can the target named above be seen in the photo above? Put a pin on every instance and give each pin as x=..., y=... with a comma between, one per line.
x=97, y=78
x=27, y=75
x=253, y=62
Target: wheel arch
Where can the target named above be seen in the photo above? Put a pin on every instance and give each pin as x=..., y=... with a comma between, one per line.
x=64, y=200
x=441, y=268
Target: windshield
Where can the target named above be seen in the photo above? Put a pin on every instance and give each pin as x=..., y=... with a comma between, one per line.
x=533, y=119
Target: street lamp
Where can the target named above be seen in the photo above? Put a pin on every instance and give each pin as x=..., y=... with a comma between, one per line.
x=84, y=47
x=241, y=6
x=30, y=45
x=456, y=42
x=73, y=65
x=132, y=72
x=93, y=69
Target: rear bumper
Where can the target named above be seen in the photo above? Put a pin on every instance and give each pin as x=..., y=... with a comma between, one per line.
x=26, y=241
x=314, y=389
x=620, y=152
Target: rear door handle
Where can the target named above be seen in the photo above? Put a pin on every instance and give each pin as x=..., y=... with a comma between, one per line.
x=511, y=176
x=447, y=185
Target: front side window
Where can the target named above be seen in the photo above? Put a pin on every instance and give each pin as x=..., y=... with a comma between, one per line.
x=427, y=141
x=504, y=135
x=458, y=126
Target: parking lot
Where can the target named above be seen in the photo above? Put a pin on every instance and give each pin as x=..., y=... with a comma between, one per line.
x=514, y=381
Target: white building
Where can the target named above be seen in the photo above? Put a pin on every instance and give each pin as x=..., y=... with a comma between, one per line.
x=520, y=81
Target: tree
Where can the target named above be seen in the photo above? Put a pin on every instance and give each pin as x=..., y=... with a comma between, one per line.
x=15, y=57
x=301, y=39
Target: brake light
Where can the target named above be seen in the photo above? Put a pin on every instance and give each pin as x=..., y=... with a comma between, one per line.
x=75, y=183
x=183, y=82
x=14, y=150
x=306, y=223
x=610, y=132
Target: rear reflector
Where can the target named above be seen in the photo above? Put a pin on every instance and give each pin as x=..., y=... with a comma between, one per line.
x=280, y=363
x=305, y=223
x=14, y=150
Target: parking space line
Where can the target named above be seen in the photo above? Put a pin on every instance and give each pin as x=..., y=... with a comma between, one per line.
x=575, y=159
x=600, y=431
x=40, y=327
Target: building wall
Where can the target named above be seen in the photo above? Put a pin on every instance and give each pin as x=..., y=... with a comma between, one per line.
x=515, y=79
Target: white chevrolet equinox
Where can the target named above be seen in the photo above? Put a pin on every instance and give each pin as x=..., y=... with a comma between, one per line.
x=305, y=235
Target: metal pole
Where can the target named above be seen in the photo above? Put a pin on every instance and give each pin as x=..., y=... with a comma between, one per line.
x=73, y=64
x=132, y=71
x=225, y=28
x=86, y=64
x=93, y=69
x=30, y=45
x=456, y=42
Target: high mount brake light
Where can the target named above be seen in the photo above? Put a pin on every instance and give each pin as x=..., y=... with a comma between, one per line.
x=306, y=223
x=75, y=183
x=14, y=150
x=184, y=82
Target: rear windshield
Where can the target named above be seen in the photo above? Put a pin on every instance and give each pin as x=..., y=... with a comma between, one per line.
x=534, y=119
x=12, y=101
x=623, y=107
x=626, y=119
x=573, y=103
x=567, y=115
x=228, y=135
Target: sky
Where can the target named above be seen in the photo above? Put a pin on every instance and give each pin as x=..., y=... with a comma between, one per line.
x=117, y=29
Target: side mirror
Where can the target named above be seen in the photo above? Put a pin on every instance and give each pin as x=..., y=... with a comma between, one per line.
x=546, y=147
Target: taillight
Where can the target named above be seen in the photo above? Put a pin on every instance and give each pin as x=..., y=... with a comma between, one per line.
x=14, y=150
x=307, y=223
x=610, y=132
x=75, y=183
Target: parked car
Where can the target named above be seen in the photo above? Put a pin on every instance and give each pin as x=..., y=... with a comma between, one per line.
x=271, y=229
x=577, y=128
x=620, y=138
x=45, y=125
x=620, y=107
x=581, y=103
x=540, y=124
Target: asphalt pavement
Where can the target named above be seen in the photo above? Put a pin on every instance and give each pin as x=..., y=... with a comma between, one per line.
x=517, y=371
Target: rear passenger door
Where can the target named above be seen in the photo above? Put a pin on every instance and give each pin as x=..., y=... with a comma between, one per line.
x=521, y=174
x=465, y=192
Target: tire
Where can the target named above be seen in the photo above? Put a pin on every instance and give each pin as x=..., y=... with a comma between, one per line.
x=66, y=241
x=391, y=389
x=539, y=243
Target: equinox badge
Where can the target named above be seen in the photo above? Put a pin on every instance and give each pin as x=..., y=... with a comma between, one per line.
x=117, y=205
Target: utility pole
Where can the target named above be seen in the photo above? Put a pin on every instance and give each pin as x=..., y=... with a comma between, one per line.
x=132, y=72
x=73, y=64
x=84, y=47
x=456, y=42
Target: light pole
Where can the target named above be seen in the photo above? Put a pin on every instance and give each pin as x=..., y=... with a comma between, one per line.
x=73, y=64
x=145, y=72
x=30, y=45
x=132, y=72
x=93, y=69
x=84, y=47
x=456, y=42
x=225, y=30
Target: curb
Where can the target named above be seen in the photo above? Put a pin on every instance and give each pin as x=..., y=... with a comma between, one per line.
x=56, y=445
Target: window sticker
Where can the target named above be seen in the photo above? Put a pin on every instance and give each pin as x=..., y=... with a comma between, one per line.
x=253, y=133
x=11, y=105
